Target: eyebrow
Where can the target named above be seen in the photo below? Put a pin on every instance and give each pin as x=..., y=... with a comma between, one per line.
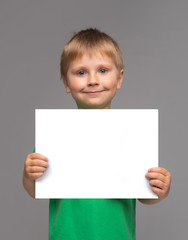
x=82, y=67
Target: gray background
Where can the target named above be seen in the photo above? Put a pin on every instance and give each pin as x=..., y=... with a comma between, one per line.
x=153, y=36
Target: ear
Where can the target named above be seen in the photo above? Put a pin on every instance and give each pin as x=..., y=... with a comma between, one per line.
x=66, y=86
x=120, y=79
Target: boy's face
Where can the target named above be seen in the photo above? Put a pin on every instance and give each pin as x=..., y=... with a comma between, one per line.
x=93, y=80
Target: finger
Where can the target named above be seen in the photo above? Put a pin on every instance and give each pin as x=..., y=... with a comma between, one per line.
x=158, y=191
x=38, y=156
x=37, y=169
x=38, y=162
x=34, y=176
x=158, y=176
x=159, y=170
x=157, y=183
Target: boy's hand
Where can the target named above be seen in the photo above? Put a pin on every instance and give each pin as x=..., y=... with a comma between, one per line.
x=35, y=165
x=160, y=180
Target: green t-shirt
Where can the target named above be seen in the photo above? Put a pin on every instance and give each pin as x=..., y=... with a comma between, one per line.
x=92, y=219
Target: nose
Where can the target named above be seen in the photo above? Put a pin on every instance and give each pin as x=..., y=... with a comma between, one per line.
x=93, y=80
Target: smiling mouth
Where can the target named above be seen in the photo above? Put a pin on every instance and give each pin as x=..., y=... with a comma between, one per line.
x=94, y=92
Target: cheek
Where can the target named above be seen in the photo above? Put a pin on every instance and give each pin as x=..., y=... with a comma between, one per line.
x=110, y=83
x=76, y=84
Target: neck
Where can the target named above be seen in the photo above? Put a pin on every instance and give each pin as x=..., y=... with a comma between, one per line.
x=108, y=106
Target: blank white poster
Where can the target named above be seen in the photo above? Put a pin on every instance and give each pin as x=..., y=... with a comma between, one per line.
x=96, y=153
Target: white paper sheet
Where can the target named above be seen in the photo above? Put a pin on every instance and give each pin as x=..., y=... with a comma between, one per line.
x=96, y=153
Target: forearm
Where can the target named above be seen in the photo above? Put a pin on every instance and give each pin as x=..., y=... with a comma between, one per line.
x=29, y=185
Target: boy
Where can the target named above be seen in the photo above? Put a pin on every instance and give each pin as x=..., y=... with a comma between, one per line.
x=92, y=70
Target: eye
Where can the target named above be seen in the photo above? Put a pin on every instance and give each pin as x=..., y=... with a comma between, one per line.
x=103, y=70
x=81, y=73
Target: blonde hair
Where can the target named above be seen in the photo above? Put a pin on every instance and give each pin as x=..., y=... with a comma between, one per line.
x=90, y=41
